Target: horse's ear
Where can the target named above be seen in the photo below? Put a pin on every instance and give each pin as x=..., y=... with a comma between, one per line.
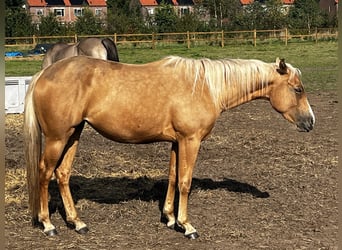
x=282, y=68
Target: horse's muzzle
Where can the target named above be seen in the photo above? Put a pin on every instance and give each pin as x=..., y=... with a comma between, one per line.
x=306, y=124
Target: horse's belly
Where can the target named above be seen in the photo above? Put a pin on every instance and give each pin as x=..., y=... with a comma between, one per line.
x=130, y=130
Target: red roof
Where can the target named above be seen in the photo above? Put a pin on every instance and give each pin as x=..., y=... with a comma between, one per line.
x=96, y=2
x=148, y=2
x=41, y=3
x=246, y=2
x=36, y=3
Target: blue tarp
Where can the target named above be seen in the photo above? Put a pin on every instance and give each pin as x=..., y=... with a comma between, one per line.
x=13, y=53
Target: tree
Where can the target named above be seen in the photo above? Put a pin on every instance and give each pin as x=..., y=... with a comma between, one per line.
x=18, y=23
x=305, y=14
x=223, y=13
x=263, y=14
x=165, y=18
x=254, y=16
x=189, y=22
x=275, y=16
x=88, y=24
x=14, y=3
x=124, y=17
x=50, y=26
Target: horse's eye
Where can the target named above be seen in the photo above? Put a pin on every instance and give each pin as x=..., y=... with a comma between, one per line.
x=298, y=90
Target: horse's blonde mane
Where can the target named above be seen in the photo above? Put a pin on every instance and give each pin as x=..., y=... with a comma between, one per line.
x=225, y=75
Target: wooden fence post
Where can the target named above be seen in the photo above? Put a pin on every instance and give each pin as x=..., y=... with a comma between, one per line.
x=153, y=41
x=222, y=39
x=286, y=36
x=316, y=35
x=34, y=41
x=115, y=38
x=188, y=39
x=254, y=37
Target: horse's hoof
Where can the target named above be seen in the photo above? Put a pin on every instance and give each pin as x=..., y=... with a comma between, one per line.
x=192, y=236
x=51, y=232
x=82, y=230
x=171, y=226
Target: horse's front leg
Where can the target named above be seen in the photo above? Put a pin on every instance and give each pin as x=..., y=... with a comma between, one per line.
x=187, y=154
x=168, y=209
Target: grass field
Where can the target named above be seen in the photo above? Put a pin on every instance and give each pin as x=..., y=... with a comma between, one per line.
x=318, y=62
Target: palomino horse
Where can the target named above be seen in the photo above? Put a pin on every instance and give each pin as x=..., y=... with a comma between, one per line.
x=174, y=99
x=95, y=47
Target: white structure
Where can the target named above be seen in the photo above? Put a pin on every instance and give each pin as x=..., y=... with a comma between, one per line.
x=15, y=91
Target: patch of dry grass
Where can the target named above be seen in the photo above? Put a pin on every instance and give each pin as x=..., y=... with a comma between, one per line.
x=15, y=186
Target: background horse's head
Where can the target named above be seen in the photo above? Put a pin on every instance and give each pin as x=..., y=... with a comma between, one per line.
x=288, y=97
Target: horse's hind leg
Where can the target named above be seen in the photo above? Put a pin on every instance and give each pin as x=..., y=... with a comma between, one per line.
x=52, y=152
x=63, y=176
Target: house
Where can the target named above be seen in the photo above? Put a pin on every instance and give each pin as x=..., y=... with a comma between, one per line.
x=182, y=7
x=329, y=6
x=286, y=4
x=66, y=10
x=148, y=7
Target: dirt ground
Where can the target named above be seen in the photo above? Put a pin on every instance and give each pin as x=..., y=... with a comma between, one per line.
x=258, y=184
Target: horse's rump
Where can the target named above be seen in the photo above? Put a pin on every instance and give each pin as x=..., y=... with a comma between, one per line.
x=112, y=52
x=94, y=47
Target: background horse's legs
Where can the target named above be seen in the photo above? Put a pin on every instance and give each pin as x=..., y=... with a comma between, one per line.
x=168, y=209
x=63, y=176
x=52, y=153
x=187, y=155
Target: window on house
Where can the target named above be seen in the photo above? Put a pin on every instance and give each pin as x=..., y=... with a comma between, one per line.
x=39, y=12
x=78, y=12
x=150, y=11
x=184, y=11
x=98, y=12
x=58, y=12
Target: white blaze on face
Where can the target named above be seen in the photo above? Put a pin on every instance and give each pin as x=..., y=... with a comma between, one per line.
x=311, y=113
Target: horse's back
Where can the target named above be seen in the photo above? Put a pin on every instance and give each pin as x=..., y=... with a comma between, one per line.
x=139, y=80
x=56, y=53
x=95, y=75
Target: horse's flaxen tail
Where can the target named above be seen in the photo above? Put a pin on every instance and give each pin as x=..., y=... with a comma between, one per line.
x=33, y=147
x=112, y=52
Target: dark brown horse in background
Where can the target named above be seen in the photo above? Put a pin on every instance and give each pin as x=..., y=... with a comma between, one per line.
x=176, y=99
x=94, y=47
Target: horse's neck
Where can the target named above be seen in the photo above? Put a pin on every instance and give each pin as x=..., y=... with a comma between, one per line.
x=245, y=92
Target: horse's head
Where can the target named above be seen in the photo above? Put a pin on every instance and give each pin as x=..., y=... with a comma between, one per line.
x=288, y=97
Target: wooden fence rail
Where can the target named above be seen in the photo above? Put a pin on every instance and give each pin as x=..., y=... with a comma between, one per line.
x=188, y=38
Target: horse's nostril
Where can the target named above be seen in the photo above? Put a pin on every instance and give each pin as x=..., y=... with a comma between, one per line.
x=306, y=124
x=312, y=122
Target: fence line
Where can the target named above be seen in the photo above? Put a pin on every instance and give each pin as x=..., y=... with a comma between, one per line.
x=189, y=38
